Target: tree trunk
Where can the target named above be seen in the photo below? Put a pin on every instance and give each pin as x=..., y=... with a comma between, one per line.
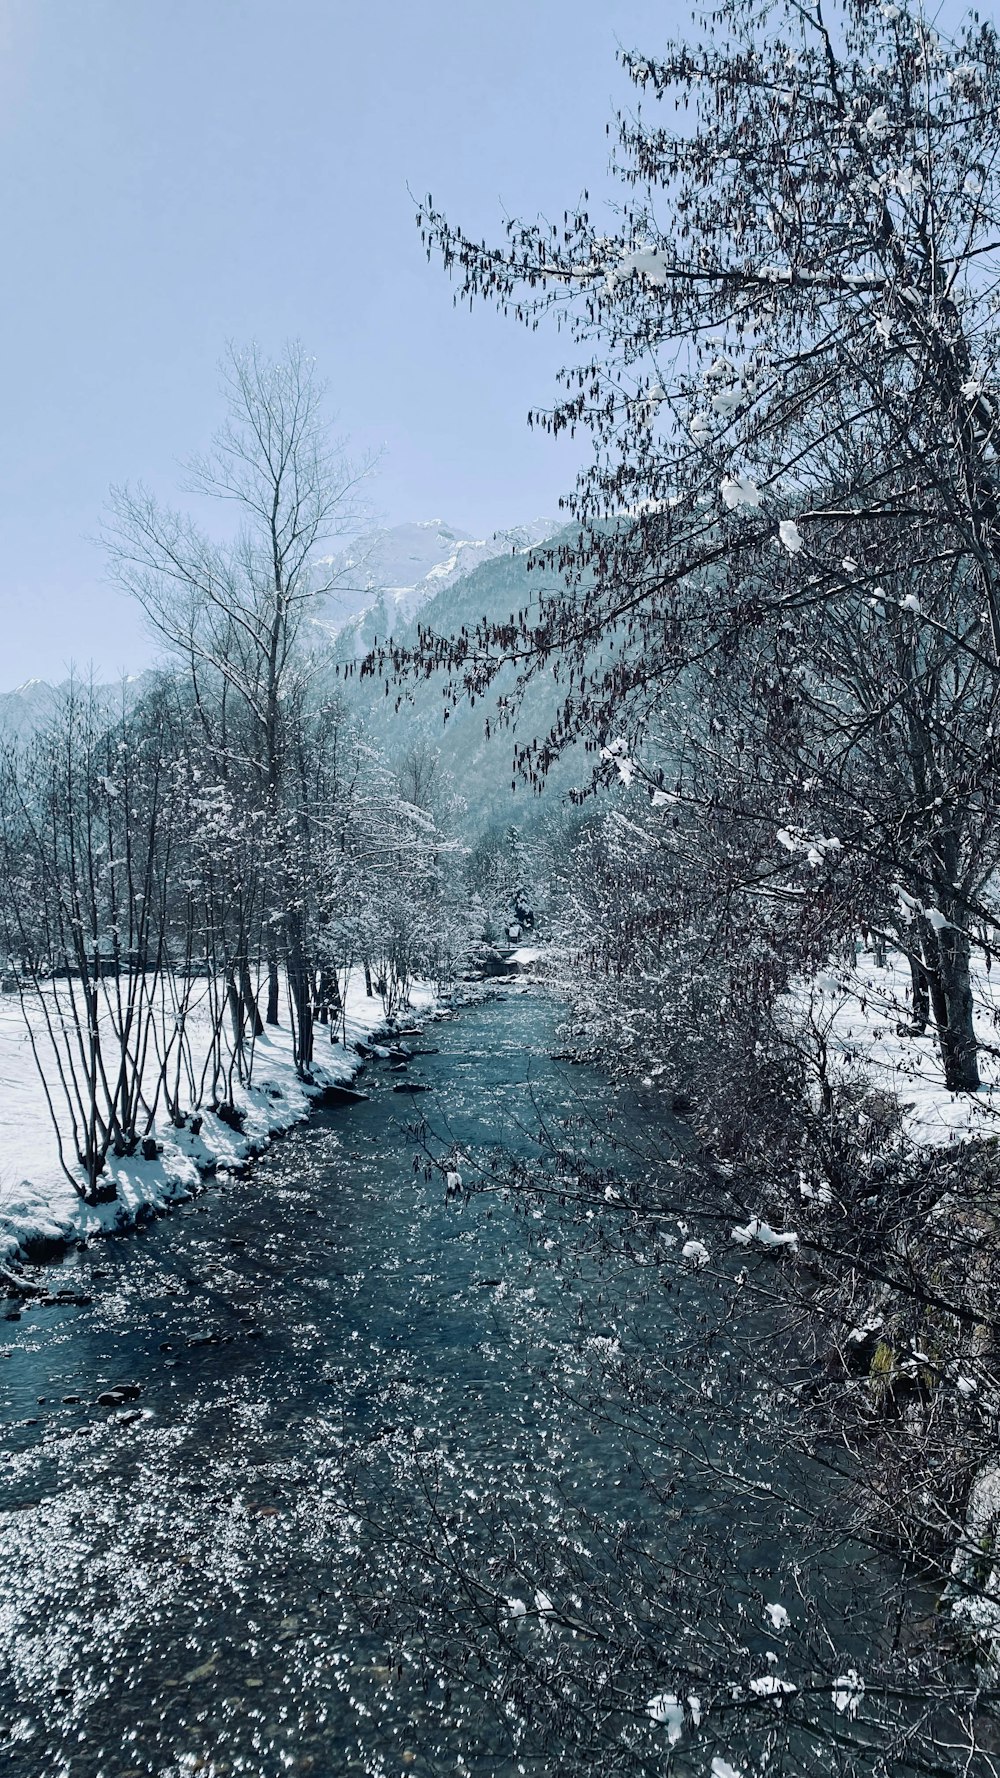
x=950, y=984
x=249, y=1000
x=328, y=1004
x=300, y=985
x=920, y=998
x=960, y=1052
x=272, y=991
x=235, y=1014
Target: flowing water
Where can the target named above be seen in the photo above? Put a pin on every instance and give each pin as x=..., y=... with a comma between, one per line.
x=321, y=1357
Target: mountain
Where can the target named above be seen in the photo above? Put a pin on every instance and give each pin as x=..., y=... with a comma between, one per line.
x=438, y=576
x=480, y=764
x=26, y=707
x=394, y=572
x=31, y=705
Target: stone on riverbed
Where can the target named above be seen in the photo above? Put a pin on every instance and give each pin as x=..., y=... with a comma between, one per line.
x=337, y=1095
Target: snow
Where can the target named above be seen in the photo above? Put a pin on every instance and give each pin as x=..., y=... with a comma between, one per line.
x=696, y=1252
x=764, y=1234
x=37, y=1202
x=848, y=1691
x=790, y=536
x=777, y=1616
x=646, y=406
x=616, y=753
x=879, y=124
x=722, y=1769
x=770, y=1686
x=727, y=401
x=739, y=490
x=815, y=846
x=863, y=1013
x=648, y=263
x=667, y=1709
x=642, y=260
x=524, y=955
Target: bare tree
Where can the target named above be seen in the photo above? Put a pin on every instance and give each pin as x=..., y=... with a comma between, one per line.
x=239, y=613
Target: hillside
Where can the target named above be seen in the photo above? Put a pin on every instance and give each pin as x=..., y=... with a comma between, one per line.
x=444, y=602
x=433, y=574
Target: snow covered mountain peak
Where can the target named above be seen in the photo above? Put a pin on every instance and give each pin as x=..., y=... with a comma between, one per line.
x=405, y=565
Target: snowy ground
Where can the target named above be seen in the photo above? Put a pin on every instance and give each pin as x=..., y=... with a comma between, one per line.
x=37, y=1201
x=863, y=1012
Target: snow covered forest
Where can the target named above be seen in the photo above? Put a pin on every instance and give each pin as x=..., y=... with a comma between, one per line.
x=221, y=851
x=669, y=1439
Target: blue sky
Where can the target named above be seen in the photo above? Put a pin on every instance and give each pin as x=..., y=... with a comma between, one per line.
x=176, y=173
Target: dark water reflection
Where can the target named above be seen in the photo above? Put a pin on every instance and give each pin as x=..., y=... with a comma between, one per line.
x=180, y=1575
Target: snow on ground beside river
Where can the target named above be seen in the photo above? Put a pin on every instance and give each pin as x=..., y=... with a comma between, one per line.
x=37, y=1201
x=863, y=1014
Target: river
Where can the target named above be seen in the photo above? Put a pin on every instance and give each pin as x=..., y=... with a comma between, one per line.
x=364, y=1415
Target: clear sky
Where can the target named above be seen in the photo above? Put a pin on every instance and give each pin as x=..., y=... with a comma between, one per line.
x=176, y=173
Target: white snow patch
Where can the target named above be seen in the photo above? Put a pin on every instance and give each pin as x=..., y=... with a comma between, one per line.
x=669, y=1710
x=770, y=1686
x=848, y=1691
x=864, y=1016
x=616, y=753
x=696, y=1252
x=739, y=490
x=764, y=1234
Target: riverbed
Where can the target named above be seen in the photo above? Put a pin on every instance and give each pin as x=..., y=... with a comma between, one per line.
x=366, y=1428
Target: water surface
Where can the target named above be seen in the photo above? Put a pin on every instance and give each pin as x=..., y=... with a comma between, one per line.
x=362, y=1401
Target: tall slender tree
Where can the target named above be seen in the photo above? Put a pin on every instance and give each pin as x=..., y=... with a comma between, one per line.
x=238, y=612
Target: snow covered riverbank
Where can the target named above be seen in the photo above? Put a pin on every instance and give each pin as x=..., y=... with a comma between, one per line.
x=39, y=1209
x=862, y=1015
